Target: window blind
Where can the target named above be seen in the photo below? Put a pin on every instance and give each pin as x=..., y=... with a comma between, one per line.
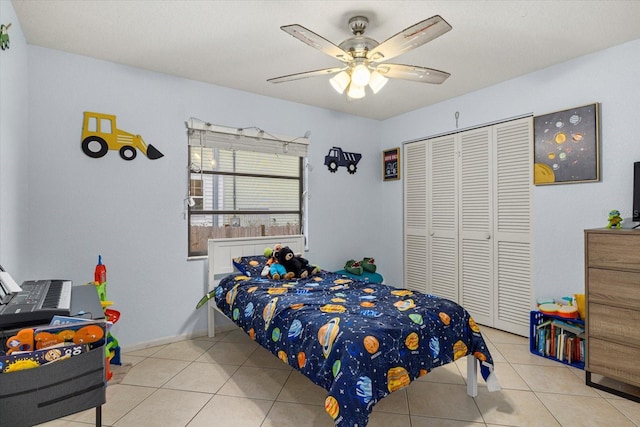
x=203, y=134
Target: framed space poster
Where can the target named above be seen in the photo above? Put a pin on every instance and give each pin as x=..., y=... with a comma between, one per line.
x=391, y=164
x=566, y=146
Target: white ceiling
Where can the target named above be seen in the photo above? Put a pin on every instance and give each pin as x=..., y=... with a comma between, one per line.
x=239, y=44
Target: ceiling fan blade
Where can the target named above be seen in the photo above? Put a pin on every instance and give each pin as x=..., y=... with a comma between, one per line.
x=413, y=73
x=314, y=40
x=306, y=74
x=410, y=38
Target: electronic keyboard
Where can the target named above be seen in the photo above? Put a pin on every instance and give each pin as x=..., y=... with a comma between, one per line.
x=37, y=303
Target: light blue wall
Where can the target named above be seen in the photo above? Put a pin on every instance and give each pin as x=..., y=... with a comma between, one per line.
x=561, y=212
x=14, y=147
x=133, y=212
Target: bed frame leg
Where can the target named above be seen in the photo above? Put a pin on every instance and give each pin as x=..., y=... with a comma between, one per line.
x=472, y=375
x=211, y=319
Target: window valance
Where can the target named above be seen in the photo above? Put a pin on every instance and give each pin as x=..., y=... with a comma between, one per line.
x=203, y=134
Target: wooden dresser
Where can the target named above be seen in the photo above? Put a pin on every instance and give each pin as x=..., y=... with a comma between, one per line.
x=612, y=283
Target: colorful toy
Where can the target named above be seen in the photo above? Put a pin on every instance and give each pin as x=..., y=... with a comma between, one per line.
x=369, y=264
x=615, y=221
x=112, y=347
x=277, y=271
x=4, y=36
x=271, y=254
x=354, y=267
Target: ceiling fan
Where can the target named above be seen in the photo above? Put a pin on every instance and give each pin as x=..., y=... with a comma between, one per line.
x=363, y=58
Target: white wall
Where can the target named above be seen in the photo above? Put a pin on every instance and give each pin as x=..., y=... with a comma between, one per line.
x=561, y=212
x=14, y=147
x=132, y=213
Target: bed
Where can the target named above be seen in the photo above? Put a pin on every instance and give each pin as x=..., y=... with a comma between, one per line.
x=360, y=341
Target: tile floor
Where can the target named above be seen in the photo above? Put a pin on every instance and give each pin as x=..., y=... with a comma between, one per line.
x=230, y=381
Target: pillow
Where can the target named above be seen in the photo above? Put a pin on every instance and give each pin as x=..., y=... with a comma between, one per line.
x=250, y=265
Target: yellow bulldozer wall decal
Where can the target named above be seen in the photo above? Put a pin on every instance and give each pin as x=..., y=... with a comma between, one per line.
x=100, y=134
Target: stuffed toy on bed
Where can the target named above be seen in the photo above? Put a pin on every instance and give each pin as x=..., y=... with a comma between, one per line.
x=271, y=254
x=295, y=264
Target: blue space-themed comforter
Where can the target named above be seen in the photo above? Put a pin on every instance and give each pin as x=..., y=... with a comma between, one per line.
x=360, y=341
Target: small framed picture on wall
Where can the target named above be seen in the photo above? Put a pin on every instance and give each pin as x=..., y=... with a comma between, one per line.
x=391, y=164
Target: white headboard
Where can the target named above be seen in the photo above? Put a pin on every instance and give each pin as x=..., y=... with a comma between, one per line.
x=222, y=251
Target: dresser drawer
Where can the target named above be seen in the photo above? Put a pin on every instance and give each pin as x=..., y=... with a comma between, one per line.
x=614, y=250
x=613, y=360
x=614, y=324
x=619, y=288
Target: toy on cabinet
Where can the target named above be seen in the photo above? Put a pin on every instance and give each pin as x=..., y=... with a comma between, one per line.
x=615, y=221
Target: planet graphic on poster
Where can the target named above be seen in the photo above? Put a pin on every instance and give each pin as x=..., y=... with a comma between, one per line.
x=543, y=173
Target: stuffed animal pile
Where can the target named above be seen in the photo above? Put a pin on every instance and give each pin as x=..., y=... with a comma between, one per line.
x=284, y=264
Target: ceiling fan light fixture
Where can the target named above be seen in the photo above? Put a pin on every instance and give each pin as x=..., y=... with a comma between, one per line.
x=355, y=91
x=340, y=81
x=360, y=75
x=377, y=81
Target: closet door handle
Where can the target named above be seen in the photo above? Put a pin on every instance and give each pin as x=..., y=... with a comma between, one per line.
x=487, y=236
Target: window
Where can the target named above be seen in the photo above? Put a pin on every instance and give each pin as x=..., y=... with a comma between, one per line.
x=243, y=186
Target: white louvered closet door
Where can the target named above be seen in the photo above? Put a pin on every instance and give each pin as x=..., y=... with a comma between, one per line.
x=468, y=219
x=512, y=224
x=442, y=245
x=415, y=216
x=476, y=224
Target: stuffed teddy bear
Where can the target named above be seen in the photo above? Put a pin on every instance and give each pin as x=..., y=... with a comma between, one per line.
x=615, y=221
x=297, y=265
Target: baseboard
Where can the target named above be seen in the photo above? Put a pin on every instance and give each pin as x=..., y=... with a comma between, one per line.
x=163, y=341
